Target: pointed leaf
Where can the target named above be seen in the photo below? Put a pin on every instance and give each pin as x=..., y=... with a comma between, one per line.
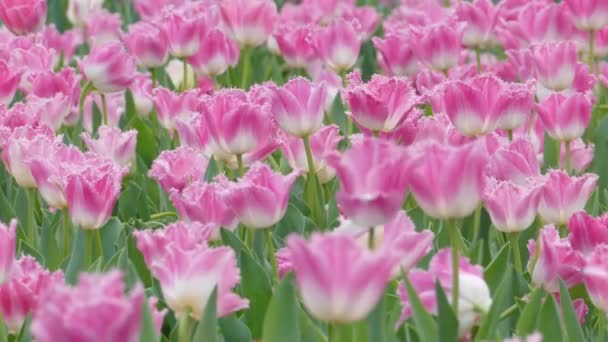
x=573, y=327
x=148, y=330
x=447, y=318
x=206, y=329
x=527, y=320
x=549, y=322
x=426, y=327
x=281, y=322
x=234, y=330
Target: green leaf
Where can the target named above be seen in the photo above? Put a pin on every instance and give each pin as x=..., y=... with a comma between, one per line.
x=148, y=330
x=281, y=322
x=495, y=271
x=573, y=327
x=600, y=160
x=292, y=222
x=487, y=327
x=527, y=320
x=446, y=317
x=549, y=322
x=26, y=248
x=376, y=322
x=313, y=195
x=49, y=246
x=234, y=330
x=212, y=170
x=3, y=331
x=77, y=256
x=109, y=237
x=233, y=241
x=551, y=152
x=256, y=286
x=206, y=329
x=426, y=327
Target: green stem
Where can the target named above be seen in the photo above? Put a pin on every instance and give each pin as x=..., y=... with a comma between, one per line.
x=454, y=241
x=370, y=239
x=592, y=51
x=508, y=312
x=446, y=3
x=246, y=59
x=104, y=108
x=67, y=227
x=309, y=159
x=476, y=225
x=510, y=134
x=183, y=327
x=184, y=84
x=514, y=241
x=271, y=253
x=89, y=247
x=31, y=219
x=239, y=163
x=601, y=327
x=477, y=53
x=341, y=333
x=568, y=163
x=99, y=244
x=154, y=78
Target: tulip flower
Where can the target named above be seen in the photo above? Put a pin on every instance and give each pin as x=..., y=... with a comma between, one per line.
x=25, y=292
x=23, y=16
x=64, y=312
x=565, y=117
x=260, y=198
x=250, y=21
x=170, y=106
x=580, y=156
x=587, y=232
x=294, y=44
x=395, y=56
x=338, y=44
x=595, y=277
x=555, y=259
x=103, y=27
x=10, y=81
x=7, y=249
x=177, y=168
x=183, y=28
x=78, y=11
x=113, y=143
x=512, y=207
x=481, y=18
x=109, y=68
x=563, y=195
x=141, y=89
x=339, y=280
x=381, y=104
x=372, y=195
x=216, y=54
x=588, y=15
x=148, y=44
x=515, y=162
x=151, y=9
x=438, y=46
x=299, y=106
x=554, y=64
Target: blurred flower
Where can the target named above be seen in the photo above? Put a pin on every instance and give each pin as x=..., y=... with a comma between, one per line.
x=512, y=207
x=250, y=21
x=7, y=249
x=175, y=169
x=148, y=44
x=109, y=68
x=111, y=142
x=23, y=16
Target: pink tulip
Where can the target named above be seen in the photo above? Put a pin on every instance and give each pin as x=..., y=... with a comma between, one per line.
x=395, y=55
x=50, y=171
x=141, y=89
x=178, y=168
x=474, y=296
x=109, y=68
x=188, y=276
x=555, y=260
x=152, y=243
x=563, y=195
x=595, y=277
x=25, y=143
x=170, y=106
x=204, y=202
x=7, y=249
x=24, y=292
x=113, y=143
x=10, y=81
x=295, y=45
x=581, y=156
x=554, y=64
x=299, y=106
x=479, y=105
x=339, y=280
x=250, y=21
x=150, y=9
x=565, y=117
x=382, y=104
x=438, y=46
x=103, y=27
x=515, y=162
x=64, y=312
x=481, y=17
x=447, y=182
x=64, y=43
x=183, y=28
x=23, y=16
x=148, y=44
x=260, y=198
x=30, y=60
x=48, y=84
x=338, y=44
x=322, y=143
x=92, y=194
x=374, y=195
x=512, y=207
x=78, y=11
x=115, y=105
x=216, y=54
x=236, y=125
x=588, y=15
x=587, y=232
x=50, y=111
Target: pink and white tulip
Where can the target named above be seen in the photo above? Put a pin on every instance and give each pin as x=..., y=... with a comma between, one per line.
x=588, y=15
x=338, y=44
x=512, y=207
x=79, y=11
x=339, y=280
x=438, y=46
x=595, y=277
x=481, y=17
x=216, y=54
x=113, y=143
x=109, y=68
x=382, y=104
x=250, y=21
x=9, y=80
x=373, y=195
x=515, y=162
x=7, y=249
x=260, y=198
x=183, y=29
x=103, y=27
x=395, y=55
x=581, y=156
x=299, y=106
x=170, y=106
x=23, y=16
x=587, y=232
x=555, y=259
x=565, y=117
x=448, y=182
x=563, y=195
x=177, y=168
x=554, y=64
x=295, y=45
x=148, y=44
x=141, y=89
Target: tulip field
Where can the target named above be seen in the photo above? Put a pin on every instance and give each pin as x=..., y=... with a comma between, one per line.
x=303, y=170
